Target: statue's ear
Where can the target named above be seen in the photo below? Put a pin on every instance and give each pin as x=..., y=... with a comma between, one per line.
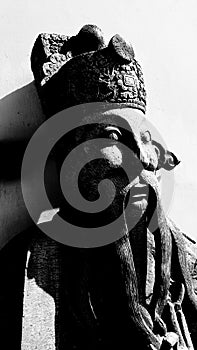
x=166, y=159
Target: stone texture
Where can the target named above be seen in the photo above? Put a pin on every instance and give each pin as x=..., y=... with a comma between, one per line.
x=67, y=75
x=75, y=73
x=46, y=57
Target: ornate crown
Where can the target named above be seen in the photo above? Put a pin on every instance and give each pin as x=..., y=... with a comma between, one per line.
x=81, y=69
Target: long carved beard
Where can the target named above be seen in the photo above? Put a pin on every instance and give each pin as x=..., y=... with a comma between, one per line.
x=133, y=268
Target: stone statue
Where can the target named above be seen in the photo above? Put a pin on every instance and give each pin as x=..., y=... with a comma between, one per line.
x=137, y=290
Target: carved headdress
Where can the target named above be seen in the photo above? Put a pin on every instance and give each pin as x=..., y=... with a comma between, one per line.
x=81, y=69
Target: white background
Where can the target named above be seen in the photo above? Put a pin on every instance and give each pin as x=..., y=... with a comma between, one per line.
x=164, y=37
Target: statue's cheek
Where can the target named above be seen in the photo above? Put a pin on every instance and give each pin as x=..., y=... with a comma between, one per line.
x=113, y=154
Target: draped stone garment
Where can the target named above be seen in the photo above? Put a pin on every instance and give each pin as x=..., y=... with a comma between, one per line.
x=40, y=268
x=73, y=297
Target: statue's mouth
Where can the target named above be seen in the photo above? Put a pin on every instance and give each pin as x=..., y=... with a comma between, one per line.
x=139, y=191
x=139, y=196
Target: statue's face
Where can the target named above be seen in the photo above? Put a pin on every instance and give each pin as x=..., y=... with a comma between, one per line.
x=117, y=148
x=108, y=164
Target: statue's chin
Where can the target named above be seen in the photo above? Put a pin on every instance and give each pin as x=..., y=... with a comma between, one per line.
x=139, y=203
x=138, y=206
x=135, y=210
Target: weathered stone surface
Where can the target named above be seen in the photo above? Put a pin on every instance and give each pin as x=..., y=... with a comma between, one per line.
x=150, y=266
x=82, y=69
x=46, y=57
x=51, y=51
x=191, y=252
x=70, y=74
x=121, y=48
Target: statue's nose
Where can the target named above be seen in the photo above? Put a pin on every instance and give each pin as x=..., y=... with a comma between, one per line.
x=148, y=157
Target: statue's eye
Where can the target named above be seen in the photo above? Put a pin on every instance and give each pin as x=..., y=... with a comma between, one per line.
x=146, y=136
x=113, y=133
x=114, y=136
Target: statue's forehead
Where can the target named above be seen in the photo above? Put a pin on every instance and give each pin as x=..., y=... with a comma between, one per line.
x=128, y=118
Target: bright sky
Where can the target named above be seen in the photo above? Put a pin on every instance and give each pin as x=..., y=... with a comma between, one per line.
x=163, y=34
